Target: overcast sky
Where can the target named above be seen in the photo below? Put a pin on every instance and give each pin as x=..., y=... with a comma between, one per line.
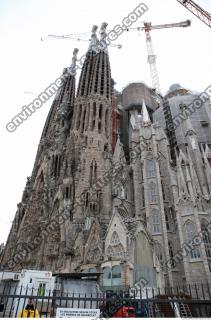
x=30, y=65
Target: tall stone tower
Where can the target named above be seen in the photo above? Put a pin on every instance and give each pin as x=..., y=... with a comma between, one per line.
x=57, y=207
x=91, y=128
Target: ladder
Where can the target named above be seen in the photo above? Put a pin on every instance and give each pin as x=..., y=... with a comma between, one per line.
x=184, y=310
x=181, y=309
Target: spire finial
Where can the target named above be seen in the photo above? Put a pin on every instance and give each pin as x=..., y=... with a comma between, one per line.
x=145, y=114
x=103, y=30
x=94, y=40
x=72, y=69
x=94, y=31
x=74, y=58
x=103, y=34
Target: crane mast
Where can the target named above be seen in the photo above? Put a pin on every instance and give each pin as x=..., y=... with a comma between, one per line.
x=199, y=12
x=152, y=59
x=151, y=56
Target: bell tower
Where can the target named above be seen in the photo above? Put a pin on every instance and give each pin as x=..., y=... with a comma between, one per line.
x=91, y=130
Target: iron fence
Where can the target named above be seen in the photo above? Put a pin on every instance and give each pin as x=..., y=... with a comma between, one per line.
x=187, y=301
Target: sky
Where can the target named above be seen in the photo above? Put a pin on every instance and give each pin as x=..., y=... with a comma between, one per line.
x=28, y=65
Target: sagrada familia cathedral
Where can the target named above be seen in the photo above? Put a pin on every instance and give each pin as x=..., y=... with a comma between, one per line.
x=117, y=187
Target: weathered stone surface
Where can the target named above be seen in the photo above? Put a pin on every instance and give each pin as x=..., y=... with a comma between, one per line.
x=88, y=207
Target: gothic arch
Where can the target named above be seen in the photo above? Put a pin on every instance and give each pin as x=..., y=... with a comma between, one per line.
x=115, y=249
x=40, y=181
x=150, y=168
x=93, y=249
x=115, y=238
x=159, y=252
x=191, y=231
x=155, y=221
x=152, y=192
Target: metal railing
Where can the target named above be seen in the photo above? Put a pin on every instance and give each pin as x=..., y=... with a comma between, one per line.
x=186, y=301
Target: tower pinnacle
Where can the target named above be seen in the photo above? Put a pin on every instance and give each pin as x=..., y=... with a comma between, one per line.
x=72, y=68
x=94, y=40
x=103, y=44
x=145, y=114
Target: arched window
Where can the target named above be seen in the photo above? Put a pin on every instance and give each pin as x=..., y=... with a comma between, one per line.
x=121, y=192
x=191, y=232
x=207, y=240
x=143, y=196
x=107, y=277
x=79, y=117
x=91, y=174
x=106, y=122
x=155, y=221
x=152, y=193
x=171, y=253
x=116, y=275
x=87, y=223
x=106, y=147
x=57, y=165
x=93, y=116
x=86, y=199
x=95, y=171
x=87, y=119
x=142, y=172
x=163, y=190
x=100, y=118
x=100, y=111
x=83, y=120
x=41, y=181
x=150, y=166
x=66, y=193
x=112, y=276
x=167, y=219
x=159, y=252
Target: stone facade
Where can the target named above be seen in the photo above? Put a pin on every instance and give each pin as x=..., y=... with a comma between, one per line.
x=114, y=202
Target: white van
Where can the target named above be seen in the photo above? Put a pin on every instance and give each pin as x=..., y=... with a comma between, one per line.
x=26, y=282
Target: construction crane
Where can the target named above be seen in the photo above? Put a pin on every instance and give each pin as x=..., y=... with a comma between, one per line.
x=199, y=12
x=151, y=56
x=147, y=28
x=75, y=37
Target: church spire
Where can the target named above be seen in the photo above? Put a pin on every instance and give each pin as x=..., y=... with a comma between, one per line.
x=72, y=68
x=103, y=44
x=87, y=69
x=95, y=76
x=65, y=93
x=145, y=114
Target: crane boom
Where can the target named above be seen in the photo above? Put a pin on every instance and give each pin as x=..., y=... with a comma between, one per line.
x=147, y=28
x=183, y=24
x=199, y=12
x=74, y=38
